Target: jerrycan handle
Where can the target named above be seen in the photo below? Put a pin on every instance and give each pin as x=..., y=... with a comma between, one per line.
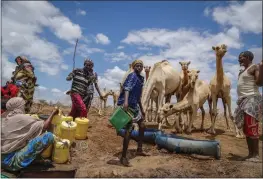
x=129, y=112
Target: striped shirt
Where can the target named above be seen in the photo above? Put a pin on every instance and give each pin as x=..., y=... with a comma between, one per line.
x=81, y=81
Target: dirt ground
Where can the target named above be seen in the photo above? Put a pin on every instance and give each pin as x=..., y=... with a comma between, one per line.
x=98, y=155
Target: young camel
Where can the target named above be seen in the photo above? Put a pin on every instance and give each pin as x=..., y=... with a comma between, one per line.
x=220, y=87
x=183, y=91
x=197, y=95
x=105, y=95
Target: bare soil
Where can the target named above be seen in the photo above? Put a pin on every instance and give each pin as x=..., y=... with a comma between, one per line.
x=98, y=155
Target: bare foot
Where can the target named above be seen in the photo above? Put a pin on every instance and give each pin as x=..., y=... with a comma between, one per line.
x=125, y=162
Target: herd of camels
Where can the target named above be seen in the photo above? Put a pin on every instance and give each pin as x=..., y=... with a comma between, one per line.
x=163, y=81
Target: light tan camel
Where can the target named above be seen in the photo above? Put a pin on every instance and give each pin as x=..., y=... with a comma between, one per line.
x=220, y=87
x=165, y=80
x=198, y=93
x=115, y=96
x=105, y=95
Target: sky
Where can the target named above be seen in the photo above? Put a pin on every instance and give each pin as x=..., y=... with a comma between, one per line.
x=113, y=34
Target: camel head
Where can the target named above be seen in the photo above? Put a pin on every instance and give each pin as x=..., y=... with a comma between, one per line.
x=147, y=69
x=220, y=50
x=185, y=65
x=193, y=76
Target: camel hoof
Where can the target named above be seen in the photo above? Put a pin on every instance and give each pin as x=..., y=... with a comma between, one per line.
x=193, y=128
x=202, y=129
x=188, y=132
x=210, y=131
x=240, y=136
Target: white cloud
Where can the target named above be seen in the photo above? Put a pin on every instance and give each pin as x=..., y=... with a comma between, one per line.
x=7, y=69
x=257, y=51
x=83, y=50
x=64, y=67
x=207, y=11
x=246, y=16
x=81, y=12
x=120, y=47
x=115, y=57
x=42, y=88
x=111, y=78
x=102, y=39
x=55, y=90
x=144, y=48
x=23, y=22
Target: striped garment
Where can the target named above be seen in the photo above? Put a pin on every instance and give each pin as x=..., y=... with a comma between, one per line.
x=24, y=75
x=81, y=81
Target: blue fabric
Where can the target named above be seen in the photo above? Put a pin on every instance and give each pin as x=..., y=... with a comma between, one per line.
x=133, y=84
x=22, y=158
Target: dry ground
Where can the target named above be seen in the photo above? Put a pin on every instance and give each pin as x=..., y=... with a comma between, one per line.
x=98, y=155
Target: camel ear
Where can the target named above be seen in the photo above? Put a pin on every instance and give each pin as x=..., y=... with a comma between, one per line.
x=188, y=62
x=150, y=67
x=188, y=71
x=171, y=106
x=198, y=71
x=180, y=63
x=213, y=48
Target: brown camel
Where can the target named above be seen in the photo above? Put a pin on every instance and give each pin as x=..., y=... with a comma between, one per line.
x=147, y=71
x=220, y=87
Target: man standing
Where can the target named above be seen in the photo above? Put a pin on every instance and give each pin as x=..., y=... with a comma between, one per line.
x=130, y=98
x=94, y=80
x=81, y=81
x=249, y=109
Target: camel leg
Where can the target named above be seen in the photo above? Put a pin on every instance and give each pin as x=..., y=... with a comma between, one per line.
x=214, y=114
x=210, y=108
x=160, y=102
x=203, y=118
x=227, y=123
x=192, y=116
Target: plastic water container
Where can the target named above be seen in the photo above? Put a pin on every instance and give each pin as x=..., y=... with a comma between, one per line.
x=68, y=131
x=120, y=118
x=47, y=152
x=61, y=151
x=56, y=121
x=82, y=128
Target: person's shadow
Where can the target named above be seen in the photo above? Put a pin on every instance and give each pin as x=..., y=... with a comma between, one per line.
x=131, y=153
x=235, y=157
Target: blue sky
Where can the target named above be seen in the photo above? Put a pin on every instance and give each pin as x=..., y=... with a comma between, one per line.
x=115, y=33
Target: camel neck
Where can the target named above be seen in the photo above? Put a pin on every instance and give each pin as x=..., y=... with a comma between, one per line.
x=185, y=77
x=219, y=70
x=146, y=75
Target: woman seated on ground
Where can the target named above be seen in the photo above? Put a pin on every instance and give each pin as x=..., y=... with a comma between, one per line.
x=23, y=137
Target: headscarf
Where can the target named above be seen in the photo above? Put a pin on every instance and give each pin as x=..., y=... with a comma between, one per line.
x=248, y=54
x=18, y=128
x=15, y=106
x=136, y=62
x=23, y=59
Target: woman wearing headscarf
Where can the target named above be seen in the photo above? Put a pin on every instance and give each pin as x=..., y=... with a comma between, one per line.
x=23, y=137
x=130, y=99
x=249, y=104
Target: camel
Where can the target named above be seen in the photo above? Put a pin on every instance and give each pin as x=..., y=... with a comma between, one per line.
x=115, y=95
x=198, y=93
x=220, y=87
x=147, y=70
x=105, y=95
x=165, y=80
